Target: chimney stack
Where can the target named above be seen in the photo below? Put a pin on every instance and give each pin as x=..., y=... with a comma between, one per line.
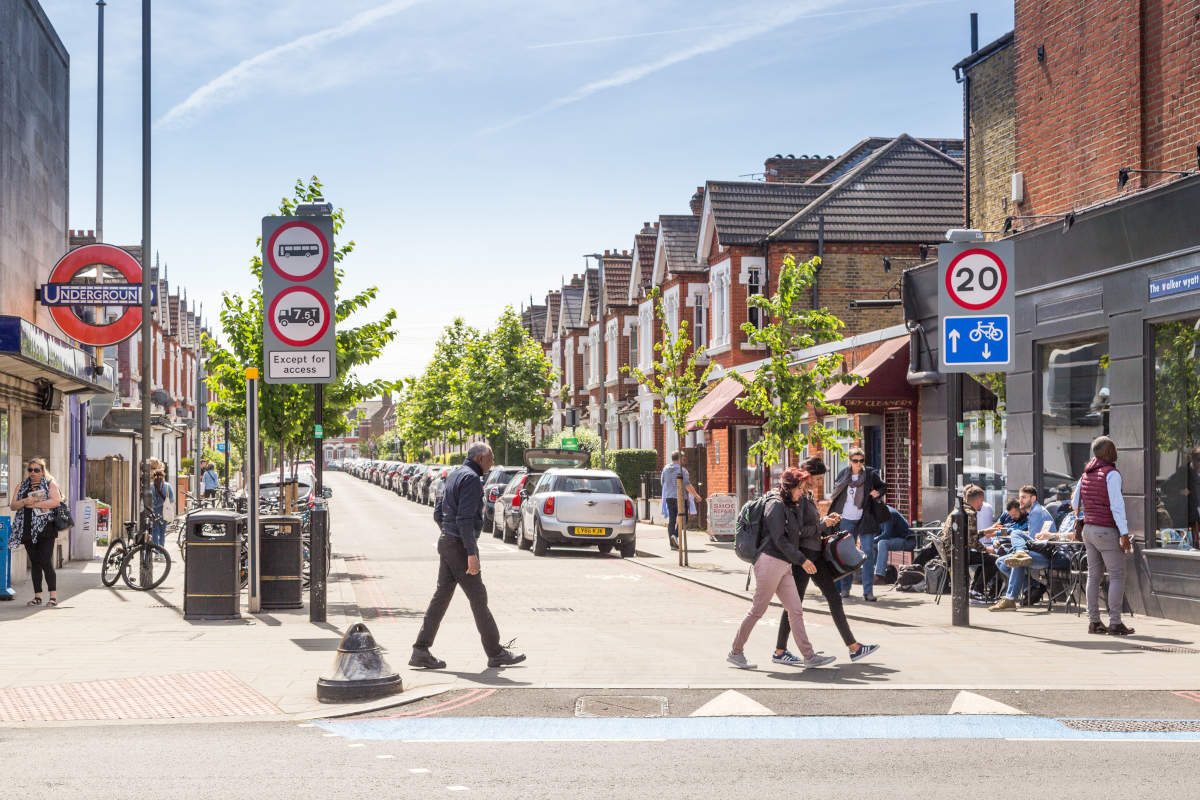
x=793, y=169
x=697, y=204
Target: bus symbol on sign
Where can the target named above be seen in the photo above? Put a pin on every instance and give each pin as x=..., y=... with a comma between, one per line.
x=304, y=250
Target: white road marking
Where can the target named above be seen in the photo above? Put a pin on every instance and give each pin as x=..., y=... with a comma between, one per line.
x=356, y=744
x=330, y=735
x=615, y=577
x=1105, y=741
x=456, y=788
x=732, y=704
x=385, y=755
x=306, y=725
x=971, y=703
x=419, y=771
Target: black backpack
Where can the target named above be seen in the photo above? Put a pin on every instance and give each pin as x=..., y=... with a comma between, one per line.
x=748, y=530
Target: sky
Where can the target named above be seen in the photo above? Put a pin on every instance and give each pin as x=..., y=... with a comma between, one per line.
x=480, y=147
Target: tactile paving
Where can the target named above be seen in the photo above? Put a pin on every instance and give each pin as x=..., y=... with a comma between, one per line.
x=180, y=695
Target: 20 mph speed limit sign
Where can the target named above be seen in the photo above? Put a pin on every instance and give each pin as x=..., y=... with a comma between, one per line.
x=976, y=306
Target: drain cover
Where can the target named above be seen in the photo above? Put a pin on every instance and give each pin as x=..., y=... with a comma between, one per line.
x=1133, y=725
x=616, y=705
x=317, y=645
x=1166, y=649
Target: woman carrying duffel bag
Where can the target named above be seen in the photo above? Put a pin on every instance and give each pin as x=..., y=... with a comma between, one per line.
x=824, y=577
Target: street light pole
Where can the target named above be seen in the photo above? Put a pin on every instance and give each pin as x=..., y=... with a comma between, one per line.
x=143, y=472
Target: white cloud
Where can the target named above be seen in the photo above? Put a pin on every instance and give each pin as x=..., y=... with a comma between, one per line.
x=243, y=78
x=714, y=44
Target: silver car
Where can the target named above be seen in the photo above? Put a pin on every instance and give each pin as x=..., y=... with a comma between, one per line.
x=578, y=508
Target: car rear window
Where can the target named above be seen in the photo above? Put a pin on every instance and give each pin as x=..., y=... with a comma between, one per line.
x=588, y=485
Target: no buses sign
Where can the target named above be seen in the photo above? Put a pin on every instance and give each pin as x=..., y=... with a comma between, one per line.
x=299, y=340
x=976, y=306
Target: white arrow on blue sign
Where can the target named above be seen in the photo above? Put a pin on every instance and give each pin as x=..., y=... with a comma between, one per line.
x=981, y=340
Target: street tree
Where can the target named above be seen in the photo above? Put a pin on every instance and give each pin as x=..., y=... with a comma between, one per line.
x=286, y=410
x=782, y=393
x=515, y=377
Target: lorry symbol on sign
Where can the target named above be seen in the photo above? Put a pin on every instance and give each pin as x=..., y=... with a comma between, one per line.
x=299, y=315
x=304, y=250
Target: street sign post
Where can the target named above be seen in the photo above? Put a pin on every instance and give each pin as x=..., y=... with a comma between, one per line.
x=299, y=340
x=976, y=306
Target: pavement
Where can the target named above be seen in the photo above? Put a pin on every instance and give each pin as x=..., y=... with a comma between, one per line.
x=589, y=622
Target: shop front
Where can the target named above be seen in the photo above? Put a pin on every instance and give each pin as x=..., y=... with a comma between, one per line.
x=1107, y=342
x=44, y=385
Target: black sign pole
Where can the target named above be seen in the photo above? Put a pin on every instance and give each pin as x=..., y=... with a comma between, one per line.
x=960, y=599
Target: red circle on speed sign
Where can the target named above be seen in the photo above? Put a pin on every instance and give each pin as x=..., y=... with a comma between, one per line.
x=976, y=279
x=299, y=316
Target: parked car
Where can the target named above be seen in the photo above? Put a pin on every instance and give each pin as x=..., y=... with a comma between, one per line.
x=408, y=480
x=506, y=511
x=437, y=486
x=423, y=486
x=574, y=507
x=493, y=485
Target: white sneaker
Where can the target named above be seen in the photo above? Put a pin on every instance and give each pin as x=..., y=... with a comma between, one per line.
x=819, y=660
x=787, y=659
x=739, y=661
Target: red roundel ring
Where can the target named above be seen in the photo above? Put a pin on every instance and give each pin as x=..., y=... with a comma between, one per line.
x=976, y=251
x=320, y=237
x=97, y=335
x=274, y=323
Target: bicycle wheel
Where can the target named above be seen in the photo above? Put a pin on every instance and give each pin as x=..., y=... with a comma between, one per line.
x=178, y=527
x=146, y=566
x=110, y=569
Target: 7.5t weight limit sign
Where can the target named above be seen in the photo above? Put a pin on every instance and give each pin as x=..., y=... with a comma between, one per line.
x=976, y=307
x=299, y=340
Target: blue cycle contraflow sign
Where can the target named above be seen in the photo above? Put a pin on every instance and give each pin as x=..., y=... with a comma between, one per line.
x=981, y=340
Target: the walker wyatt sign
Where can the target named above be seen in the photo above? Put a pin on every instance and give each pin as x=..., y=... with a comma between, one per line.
x=75, y=305
x=976, y=306
x=299, y=340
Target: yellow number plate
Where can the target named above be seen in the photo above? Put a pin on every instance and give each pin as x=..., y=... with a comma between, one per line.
x=590, y=532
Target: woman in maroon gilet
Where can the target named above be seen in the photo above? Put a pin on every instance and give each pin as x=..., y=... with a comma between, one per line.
x=1105, y=534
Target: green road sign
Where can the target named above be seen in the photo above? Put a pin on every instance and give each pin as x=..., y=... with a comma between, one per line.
x=570, y=444
x=318, y=432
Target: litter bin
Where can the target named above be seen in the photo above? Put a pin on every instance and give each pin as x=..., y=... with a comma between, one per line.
x=212, y=573
x=281, y=554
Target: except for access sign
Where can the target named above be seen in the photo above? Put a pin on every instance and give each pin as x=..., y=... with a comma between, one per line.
x=299, y=340
x=976, y=306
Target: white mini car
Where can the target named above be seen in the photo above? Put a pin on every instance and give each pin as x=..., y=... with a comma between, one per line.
x=578, y=508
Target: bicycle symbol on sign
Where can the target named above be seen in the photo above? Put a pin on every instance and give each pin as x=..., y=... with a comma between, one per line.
x=987, y=329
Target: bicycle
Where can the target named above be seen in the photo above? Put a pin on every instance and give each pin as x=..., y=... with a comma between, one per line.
x=143, y=565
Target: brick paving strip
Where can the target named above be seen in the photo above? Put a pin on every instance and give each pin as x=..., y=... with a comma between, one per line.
x=176, y=696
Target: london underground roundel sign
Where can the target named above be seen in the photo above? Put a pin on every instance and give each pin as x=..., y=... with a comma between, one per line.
x=79, y=283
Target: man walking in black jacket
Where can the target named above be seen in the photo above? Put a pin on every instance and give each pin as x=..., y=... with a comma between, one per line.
x=462, y=520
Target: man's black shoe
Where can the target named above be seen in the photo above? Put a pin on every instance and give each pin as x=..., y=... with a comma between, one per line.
x=424, y=660
x=1119, y=630
x=1097, y=627
x=674, y=542
x=506, y=658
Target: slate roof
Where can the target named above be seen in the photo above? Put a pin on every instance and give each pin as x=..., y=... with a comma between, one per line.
x=905, y=191
x=617, y=272
x=572, y=305
x=553, y=304
x=679, y=235
x=746, y=211
x=644, y=243
x=533, y=319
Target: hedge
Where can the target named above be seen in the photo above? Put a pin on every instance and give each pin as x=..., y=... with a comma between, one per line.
x=630, y=464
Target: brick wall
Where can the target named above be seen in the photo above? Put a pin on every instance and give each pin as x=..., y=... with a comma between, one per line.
x=1118, y=87
x=992, y=139
x=720, y=446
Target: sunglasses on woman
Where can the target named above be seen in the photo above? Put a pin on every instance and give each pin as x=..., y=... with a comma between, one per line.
x=35, y=469
x=857, y=460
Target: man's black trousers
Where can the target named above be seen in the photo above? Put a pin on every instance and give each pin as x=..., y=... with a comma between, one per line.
x=451, y=573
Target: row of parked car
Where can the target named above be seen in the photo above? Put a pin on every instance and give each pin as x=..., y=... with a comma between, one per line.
x=554, y=500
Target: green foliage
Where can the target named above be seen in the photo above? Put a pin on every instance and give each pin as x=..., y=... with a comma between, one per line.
x=589, y=440
x=453, y=459
x=1177, y=386
x=512, y=439
x=676, y=383
x=286, y=410
x=630, y=464
x=780, y=392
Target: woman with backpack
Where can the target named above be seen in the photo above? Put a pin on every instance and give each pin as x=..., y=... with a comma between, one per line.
x=788, y=524
x=855, y=492
x=823, y=577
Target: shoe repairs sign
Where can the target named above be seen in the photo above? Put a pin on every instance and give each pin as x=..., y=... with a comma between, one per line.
x=299, y=337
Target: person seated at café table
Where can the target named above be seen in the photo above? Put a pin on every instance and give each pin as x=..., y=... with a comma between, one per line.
x=1016, y=565
x=895, y=535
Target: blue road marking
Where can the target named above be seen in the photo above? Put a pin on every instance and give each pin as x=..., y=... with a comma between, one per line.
x=959, y=726
x=981, y=340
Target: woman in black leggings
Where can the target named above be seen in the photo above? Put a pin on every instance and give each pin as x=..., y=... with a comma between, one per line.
x=34, y=503
x=825, y=581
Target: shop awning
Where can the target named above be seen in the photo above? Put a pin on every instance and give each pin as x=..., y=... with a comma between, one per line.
x=31, y=353
x=719, y=408
x=886, y=371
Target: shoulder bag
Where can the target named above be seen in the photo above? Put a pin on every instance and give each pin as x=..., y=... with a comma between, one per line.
x=62, y=517
x=842, y=553
x=1079, y=515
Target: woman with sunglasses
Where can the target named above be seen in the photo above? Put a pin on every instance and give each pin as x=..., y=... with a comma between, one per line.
x=853, y=486
x=35, y=501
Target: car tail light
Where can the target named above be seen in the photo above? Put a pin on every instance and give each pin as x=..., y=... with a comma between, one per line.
x=548, y=506
x=628, y=509
x=516, y=503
